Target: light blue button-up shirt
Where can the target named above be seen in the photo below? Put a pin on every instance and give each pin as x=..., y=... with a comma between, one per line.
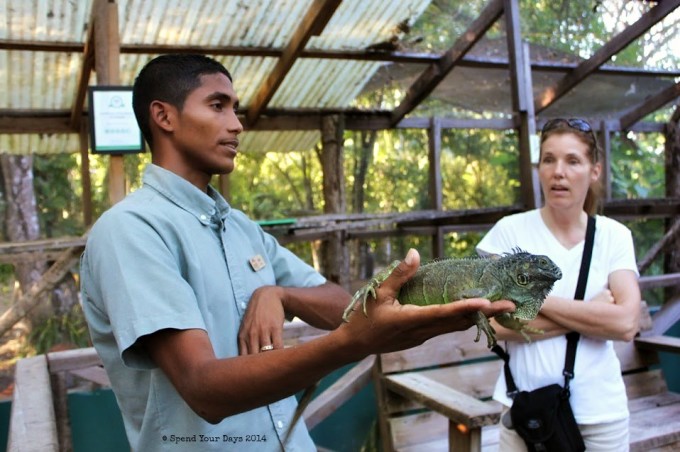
x=172, y=256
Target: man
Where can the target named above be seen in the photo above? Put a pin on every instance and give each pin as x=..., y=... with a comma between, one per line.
x=172, y=272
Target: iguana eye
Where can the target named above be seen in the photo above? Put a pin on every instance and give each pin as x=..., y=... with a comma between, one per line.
x=522, y=279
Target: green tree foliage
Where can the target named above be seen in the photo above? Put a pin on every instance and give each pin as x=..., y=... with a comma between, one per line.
x=56, y=196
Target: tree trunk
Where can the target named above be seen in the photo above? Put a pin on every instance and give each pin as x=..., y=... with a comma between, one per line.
x=362, y=158
x=21, y=224
x=335, y=255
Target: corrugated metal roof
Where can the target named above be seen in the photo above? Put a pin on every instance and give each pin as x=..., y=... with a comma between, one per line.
x=47, y=80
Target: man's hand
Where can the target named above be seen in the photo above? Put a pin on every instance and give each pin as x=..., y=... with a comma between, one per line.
x=391, y=326
x=262, y=324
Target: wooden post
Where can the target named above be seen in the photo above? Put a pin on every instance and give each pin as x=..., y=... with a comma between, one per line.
x=522, y=101
x=334, y=252
x=32, y=425
x=85, y=180
x=435, y=181
x=107, y=64
x=672, y=167
x=606, y=145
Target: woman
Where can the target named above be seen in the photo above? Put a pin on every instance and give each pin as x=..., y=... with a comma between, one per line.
x=569, y=169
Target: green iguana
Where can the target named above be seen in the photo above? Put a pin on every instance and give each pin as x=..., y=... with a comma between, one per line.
x=521, y=277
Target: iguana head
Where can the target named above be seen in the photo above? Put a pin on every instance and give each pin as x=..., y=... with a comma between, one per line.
x=531, y=278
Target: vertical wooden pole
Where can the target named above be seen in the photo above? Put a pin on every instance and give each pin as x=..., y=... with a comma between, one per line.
x=522, y=98
x=529, y=124
x=435, y=181
x=606, y=145
x=107, y=67
x=334, y=251
x=672, y=167
x=85, y=180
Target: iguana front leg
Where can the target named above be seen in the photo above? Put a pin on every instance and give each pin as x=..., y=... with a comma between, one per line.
x=483, y=325
x=369, y=289
x=511, y=322
x=480, y=319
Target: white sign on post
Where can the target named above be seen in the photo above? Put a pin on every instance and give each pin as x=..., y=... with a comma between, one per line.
x=113, y=127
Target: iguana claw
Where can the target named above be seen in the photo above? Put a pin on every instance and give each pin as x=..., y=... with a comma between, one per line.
x=369, y=289
x=484, y=325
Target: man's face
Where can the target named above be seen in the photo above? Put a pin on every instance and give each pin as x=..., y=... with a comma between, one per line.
x=206, y=133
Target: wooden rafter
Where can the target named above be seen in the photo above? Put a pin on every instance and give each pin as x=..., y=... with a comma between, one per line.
x=436, y=72
x=57, y=121
x=329, y=54
x=650, y=105
x=83, y=78
x=604, y=53
x=312, y=24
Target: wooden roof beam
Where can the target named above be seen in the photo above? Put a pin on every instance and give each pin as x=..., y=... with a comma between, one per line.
x=650, y=105
x=312, y=24
x=436, y=72
x=329, y=54
x=604, y=54
x=58, y=122
x=86, y=68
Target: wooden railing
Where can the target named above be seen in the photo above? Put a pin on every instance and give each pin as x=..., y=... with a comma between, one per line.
x=39, y=416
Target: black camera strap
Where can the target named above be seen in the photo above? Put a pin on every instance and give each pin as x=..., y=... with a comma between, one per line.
x=573, y=336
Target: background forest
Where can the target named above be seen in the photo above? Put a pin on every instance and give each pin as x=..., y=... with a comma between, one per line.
x=387, y=171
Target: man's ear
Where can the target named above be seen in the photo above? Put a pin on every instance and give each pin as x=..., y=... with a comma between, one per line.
x=162, y=114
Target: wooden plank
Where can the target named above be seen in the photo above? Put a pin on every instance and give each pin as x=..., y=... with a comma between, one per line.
x=645, y=384
x=339, y=392
x=436, y=72
x=58, y=121
x=603, y=54
x=298, y=331
x=61, y=413
x=69, y=360
x=331, y=54
x=463, y=439
x=318, y=15
x=418, y=429
x=476, y=380
x=655, y=428
x=32, y=420
x=95, y=374
x=655, y=281
x=522, y=102
x=650, y=105
x=631, y=358
x=668, y=315
x=447, y=401
x=659, y=343
x=490, y=435
x=435, y=195
x=650, y=402
x=447, y=348
x=83, y=77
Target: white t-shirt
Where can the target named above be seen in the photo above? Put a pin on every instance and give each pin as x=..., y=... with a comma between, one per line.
x=597, y=390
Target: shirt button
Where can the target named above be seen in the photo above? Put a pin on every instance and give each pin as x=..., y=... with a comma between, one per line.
x=279, y=424
x=203, y=217
x=243, y=305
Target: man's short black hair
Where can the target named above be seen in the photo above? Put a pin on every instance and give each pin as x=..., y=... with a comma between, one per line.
x=169, y=78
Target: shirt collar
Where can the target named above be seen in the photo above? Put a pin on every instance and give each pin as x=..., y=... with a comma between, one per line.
x=185, y=195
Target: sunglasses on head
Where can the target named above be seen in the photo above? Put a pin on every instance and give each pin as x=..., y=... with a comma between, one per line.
x=575, y=123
